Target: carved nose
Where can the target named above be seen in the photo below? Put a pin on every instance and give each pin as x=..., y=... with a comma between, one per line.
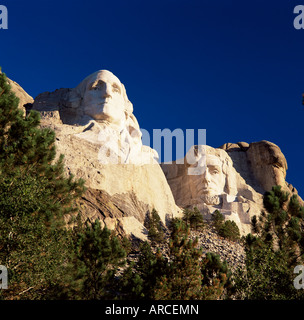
x=107, y=92
x=206, y=176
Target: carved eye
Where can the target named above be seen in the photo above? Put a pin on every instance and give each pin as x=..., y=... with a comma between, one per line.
x=278, y=165
x=116, y=88
x=97, y=86
x=214, y=171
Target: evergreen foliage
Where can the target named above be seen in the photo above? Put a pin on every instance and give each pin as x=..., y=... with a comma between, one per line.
x=27, y=155
x=217, y=220
x=98, y=256
x=226, y=229
x=183, y=278
x=36, y=257
x=182, y=275
x=217, y=277
x=131, y=284
x=229, y=230
x=142, y=276
x=189, y=276
x=35, y=198
x=194, y=218
x=274, y=251
x=155, y=227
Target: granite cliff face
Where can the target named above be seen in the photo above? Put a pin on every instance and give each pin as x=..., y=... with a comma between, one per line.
x=262, y=164
x=25, y=100
x=231, y=179
x=211, y=182
x=100, y=137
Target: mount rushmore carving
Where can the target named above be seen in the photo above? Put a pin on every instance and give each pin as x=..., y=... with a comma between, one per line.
x=101, y=139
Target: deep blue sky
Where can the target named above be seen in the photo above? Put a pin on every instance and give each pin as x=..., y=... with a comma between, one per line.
x=233, y=68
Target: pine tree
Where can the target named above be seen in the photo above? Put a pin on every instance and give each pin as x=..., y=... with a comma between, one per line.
x=98, y=256
x=183, y=278
x=294, y=207
x=35, y=197
x=217, y=277
x=155, y=227
x=226, y=229
x=182, y=275
x=274, y=251
x=131, y=285
x=217, y=220
x=229, y=230
x=142, y=279
x=26, y=151
x=194, y=218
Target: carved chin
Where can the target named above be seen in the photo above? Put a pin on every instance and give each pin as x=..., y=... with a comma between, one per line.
x=211, y=199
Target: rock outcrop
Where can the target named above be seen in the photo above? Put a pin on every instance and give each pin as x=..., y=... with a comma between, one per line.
x=208, y=180
x=262, y=164
x=231, y=179
x=25, y=100
x=99, y=135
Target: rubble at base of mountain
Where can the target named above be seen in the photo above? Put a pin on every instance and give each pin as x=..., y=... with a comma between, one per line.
x=230, y=251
